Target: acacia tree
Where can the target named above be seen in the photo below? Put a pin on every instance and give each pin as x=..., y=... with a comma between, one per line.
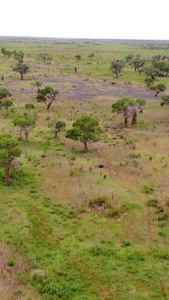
x=19, y=55
x=160, y=87
x=38, y=84
x=24, y=122
x=149, y=81
x=7, y=104
x=116, y=66
x=4, y=93
x=85, y=129
x=58, y=126
x=47, y=96
x=9, y=150
x=165, y=100
x=122, y=107
x=21, y=69
x=29, y=106
x=138, y=63
x=136, y=109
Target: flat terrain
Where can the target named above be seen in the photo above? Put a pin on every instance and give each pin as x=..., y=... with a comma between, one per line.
x=63, y=242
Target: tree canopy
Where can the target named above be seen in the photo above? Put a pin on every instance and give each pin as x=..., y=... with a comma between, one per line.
x=9, y=150
x=47, y=96
x=86, y=128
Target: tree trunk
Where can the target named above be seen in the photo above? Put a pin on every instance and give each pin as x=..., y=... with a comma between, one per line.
x=85, y=147
x=26, y=136
x=20, y=138
x=21, y=76
x=134, y=119
x=117, y=75
x=56, y=133
x=7, y=175
x=126, y=122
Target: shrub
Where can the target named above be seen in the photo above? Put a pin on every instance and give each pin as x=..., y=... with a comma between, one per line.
x=101, y=166
x=100, y=201
x=148, y=189
x=11, y=263
x=152, y=202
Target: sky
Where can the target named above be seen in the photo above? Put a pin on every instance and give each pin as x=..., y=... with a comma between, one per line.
x=104, y=19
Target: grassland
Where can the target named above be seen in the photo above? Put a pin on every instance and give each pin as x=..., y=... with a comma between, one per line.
x=77, y=226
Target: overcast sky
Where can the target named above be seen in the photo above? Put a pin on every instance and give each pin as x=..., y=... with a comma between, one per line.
x=113, y=19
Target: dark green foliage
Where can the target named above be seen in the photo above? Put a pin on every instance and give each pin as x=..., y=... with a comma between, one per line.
x=7, y=103
x=11, y=263
x=9, y=150
x=78, y=57
x=122, y=107
x=21, y=69
x=47, y=96
x=19, y=55
x=165, y=100
x=86, y=128
x=29, y=106
x=117, y=66
x=149, y=81
x=153, y=202
x=148, y=189
x=24, y=122
x=160, y=87
x=4, y=93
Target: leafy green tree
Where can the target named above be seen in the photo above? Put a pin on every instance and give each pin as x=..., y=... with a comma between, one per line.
x=43, y=56
x=85, y=129
x=4, y=93
x=117, y=66
x=165, y=100
x=29, y=106
x=47, y=96
x=24, y=122
x=57, y=126
x=122, y=107
x=21, y=69
x=9, y=150
x=129, y=58
x=3, y=51
x=91, y=55
x=38, y=84
x=151, y=71
x=7, y=104
x=78, y=57
x=160, y=87
x=166, y=70
x=138, y=63
x=136, y=109
x=148, y=81
x=19, y=55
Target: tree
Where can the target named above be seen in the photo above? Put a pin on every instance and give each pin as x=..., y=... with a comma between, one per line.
x=21, y=69
x=9, y=150
x=47, y=96
x=151, y=71
x=19, y=55
x=165, y=100
x=160, y=87
x=38, y=84
x=4, y=93
x=29, y=106
x=91, y=55
x=85, y=129
x=58, y=126
x=129, y=58
x=7, y=104
x=149, y=81
x=116, y=67
x=138, y=63
x=78, y=57
x=24, y=122
x=3, y=51
x=136, y=109
x=122, y=107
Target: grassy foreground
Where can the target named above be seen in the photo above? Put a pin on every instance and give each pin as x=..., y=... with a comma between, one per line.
x=89, y=226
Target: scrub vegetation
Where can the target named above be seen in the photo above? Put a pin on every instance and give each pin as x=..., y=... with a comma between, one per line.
x=84, y=194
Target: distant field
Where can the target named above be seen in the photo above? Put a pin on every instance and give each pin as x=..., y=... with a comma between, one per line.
x=85, y=226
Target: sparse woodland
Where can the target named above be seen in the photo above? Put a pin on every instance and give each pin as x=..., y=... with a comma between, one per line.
x=84, y=193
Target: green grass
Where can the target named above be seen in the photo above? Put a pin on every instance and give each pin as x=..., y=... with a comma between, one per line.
x=85, y=226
